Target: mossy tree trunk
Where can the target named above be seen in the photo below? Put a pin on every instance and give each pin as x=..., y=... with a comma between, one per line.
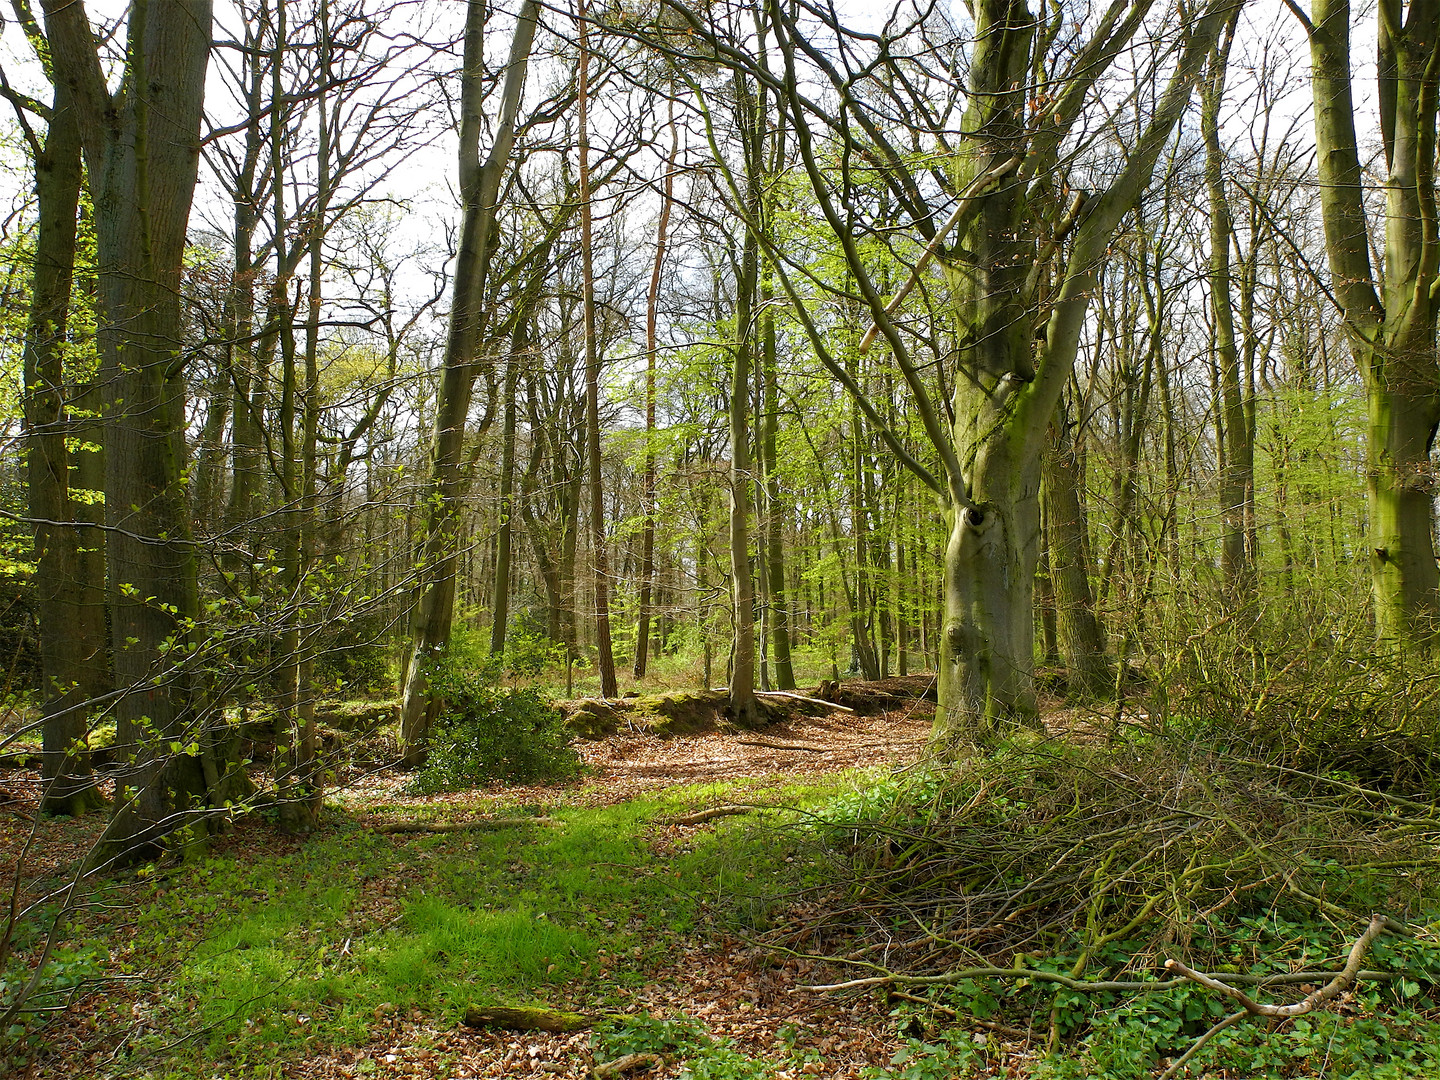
x=1391, y=325
x=71, y=623
x=141, y=147
x=1017, y=336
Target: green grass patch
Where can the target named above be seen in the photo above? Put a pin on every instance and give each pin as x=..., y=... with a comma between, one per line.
x=283, y=955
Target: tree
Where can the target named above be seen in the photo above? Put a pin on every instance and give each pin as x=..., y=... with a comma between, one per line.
x=598, y=551
x=652, y=346
x=71, y=617
x=1390, y=322
x=434, y=608
x=1008, y=175
x=1237, y=441
x=141, y=150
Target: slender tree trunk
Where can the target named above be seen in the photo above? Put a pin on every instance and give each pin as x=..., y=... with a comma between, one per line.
x=506, y=510
x=434, y=609
x=775, y=516
x=1082, y=644
x=609, y=688
x=742, y=678
x=1237, y=473
x=652, y=346
x=247, y=408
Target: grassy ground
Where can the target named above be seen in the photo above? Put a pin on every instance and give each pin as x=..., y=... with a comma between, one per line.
x=356, y=952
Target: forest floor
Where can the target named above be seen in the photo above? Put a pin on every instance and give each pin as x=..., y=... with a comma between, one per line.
x=698, y=973
x=685, y=931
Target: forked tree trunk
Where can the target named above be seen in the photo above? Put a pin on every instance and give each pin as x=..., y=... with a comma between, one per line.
x=1009, y=385
x=1391, y=327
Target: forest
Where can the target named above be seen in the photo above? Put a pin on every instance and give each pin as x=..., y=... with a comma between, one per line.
x=719, y=539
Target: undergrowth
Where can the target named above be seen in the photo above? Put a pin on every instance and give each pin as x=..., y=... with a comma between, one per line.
x=260, y=962
x=1044, y=887
x=489, y=733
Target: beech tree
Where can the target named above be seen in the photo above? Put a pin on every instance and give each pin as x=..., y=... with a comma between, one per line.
x=141, y=148
x=1390, y=319
x=434, y=608
x=1018, y=205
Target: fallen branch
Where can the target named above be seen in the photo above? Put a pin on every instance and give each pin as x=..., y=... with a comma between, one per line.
x=394, y=827
x=767, y=744
x=802, y=697
x=1082, y=986
x=699, y=817
x=510, y=1018
x=1179, y=1063
x=1338, y=984
x=628, y=1063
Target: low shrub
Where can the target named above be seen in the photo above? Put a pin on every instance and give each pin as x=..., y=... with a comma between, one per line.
x=490, y=734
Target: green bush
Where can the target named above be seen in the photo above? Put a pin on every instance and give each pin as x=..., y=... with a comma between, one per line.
x=355, y=658
x=491, y=734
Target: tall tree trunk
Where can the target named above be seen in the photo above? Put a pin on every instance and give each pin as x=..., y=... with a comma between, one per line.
x=1392, y=327
x=599, y=552
x=72, y=631
x=141, y=147
x=774, y=512
x=742, y=678
x=501, y=609
x=434, y=609
x=652, y=346
x=1238, y=470
x=247, y=383
x=1004, y=401
x=1082, y=644
x=302, y=779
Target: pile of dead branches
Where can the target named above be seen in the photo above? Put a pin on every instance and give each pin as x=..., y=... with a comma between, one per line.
x=1061, y=849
